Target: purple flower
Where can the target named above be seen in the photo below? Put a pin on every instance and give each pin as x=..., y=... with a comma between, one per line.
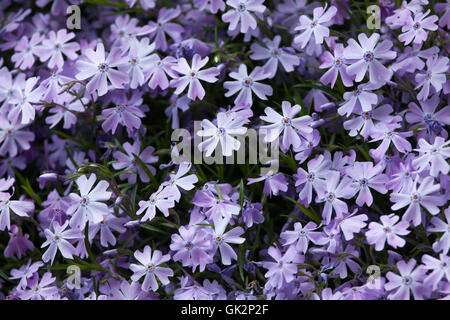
x=286, y=124
x=17, y=244
x=417, y=197
x=292, y=10
x=127, y=113
x=427, y=116
x=337, y=67
x=163, y=26
x=145, y=4
x=176, y=103
x=365, y=176
x=434, y=76
x=93, y=65
x=273, y=183
x=12, y=138
x=415, y=29
x=157, y=69
x=318, y=170
x=246, y=84
x=350, y=223
x=363, y=122
x=388, y=230
x=227, y=126
x=110, y=222
x=179, y=181
x=342, y=264
x=333, y=191
x=23, y=100
x=150, y=267
x=88, y=206
x=138, y=61
x=252, y=213
x=366, y=55
x=410, y=60
x=192, y=76
x=274, y=56
x=217, y=208
x=25, y=272
x=316, y=26
x=440, y=268
x=438, y=225
x=433, y=156
x=66, y=109
x=40, y=290
x=128, y=161
x=163, y=199
x=361, y=98
x=53, y=48
x=388, y=135
x=221, y=240
x=327, y=294
x=284, y=268
x=213, y=5
x=410, y=279
x=191, y=246
x=25, y=51
x=22, y=208
x=57, y=241
x=242, y=13
x=300, y=236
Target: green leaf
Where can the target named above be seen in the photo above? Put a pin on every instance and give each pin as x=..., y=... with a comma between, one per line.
x=308, y=212
x=323, y=88
x=219, y=193
x=146, y=169
x=151, y=228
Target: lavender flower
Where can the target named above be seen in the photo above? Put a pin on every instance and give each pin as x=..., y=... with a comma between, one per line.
x=192, y=76
x=98, y=69
x=150, y=267
x=388, y=230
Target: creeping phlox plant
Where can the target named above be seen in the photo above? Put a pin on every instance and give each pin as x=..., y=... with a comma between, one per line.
x=102, y=102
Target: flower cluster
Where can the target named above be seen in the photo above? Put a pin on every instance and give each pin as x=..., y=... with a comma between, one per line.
x=88, y=177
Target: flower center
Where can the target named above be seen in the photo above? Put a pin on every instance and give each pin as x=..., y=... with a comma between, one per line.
x=427, y=75
x=310, y=176
x=220, y=131
x=415, y=197
x=192, y=74
x=103, y=67
x=84, y=201
x=368, y=56
x=241, y=7
x=330, y=196
x=416, y=26
x=248, y=82
x=363, y=182
x=150, y=268
x=286, y=121
x=366, y=115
